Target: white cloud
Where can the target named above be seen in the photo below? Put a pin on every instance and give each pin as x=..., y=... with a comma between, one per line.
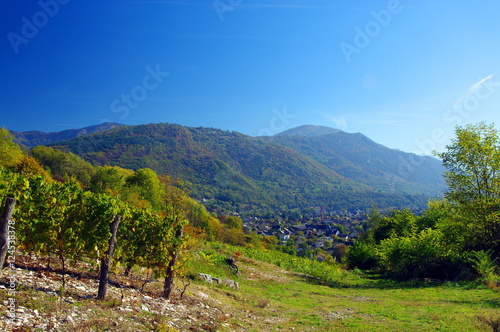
x=471, y=91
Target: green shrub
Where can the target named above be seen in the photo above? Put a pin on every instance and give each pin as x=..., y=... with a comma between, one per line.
x=418, y=256
x=485, y=266
x=362, y=255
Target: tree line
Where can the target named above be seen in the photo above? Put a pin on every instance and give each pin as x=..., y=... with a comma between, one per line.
x=457, y=238
x=65, y=208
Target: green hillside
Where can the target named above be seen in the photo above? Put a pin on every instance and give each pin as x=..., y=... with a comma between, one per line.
x=358, y=158
x=232, y=169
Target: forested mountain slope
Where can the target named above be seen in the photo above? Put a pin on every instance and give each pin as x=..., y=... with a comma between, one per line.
x=234, y=169
x=358, y=158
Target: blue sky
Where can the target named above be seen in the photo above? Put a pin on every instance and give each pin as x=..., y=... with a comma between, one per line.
x=404, y=73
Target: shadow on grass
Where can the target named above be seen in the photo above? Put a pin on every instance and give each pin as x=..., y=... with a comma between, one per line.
x=484, y=303
x=377, y=281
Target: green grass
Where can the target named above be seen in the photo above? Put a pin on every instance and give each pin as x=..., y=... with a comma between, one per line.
x=290, y=300
x=282, y=293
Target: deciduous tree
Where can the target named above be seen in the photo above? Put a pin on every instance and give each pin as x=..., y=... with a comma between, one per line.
x=473, y=177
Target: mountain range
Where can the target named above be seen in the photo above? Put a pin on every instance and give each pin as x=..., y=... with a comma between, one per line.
x=356, y=157
x=301, y=167
x=33, y=138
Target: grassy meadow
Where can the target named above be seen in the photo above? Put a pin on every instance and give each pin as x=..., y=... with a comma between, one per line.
x=286, y=299
x=277, y=292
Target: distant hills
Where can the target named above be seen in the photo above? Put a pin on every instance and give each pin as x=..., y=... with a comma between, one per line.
x=302, y=167
x=33, y=138
x=356, y=157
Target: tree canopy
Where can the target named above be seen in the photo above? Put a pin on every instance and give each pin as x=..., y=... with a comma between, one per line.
x=473, y=178
x=472, y=161
x=64, y=165
x=453, y=238
x=11, y=152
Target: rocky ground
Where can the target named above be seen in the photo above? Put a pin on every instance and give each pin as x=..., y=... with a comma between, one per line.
x=268, y=299
x=132, y=304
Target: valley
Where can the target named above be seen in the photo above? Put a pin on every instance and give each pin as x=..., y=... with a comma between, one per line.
x=312, y=166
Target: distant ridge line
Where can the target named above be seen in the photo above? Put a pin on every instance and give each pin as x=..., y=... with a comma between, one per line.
x=309, y=130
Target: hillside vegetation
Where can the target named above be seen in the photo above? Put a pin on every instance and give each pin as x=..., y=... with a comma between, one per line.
x=236, y=172
x=269, y=298
x=356, y=157
x=454, y=239
x=59, y=244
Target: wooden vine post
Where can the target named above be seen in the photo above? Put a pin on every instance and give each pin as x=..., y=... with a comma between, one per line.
x=169, y=278
x=106, y=261
x=4, y=229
